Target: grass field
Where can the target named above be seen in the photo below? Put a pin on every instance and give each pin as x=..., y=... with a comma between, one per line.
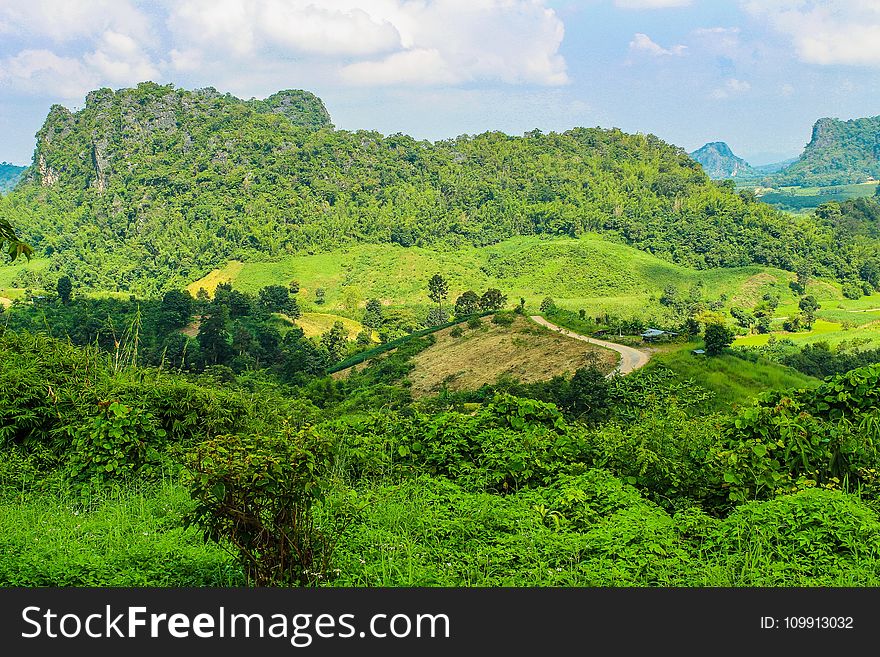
x=732, y=379
x=9, y=273
x=806, y=199
x=589, y=273
x=524, y=350
x=314, y=324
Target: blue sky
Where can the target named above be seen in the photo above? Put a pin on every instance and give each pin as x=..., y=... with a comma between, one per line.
x=756, y=74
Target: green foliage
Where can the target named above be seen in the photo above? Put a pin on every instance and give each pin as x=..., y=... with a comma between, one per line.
x=839, y=152
x=492, y=299
x=120, y=441
x=215, y=178
x=257, y=493
x=826, y=436
x=717, y=337
x=468, y=303
x=505, y=318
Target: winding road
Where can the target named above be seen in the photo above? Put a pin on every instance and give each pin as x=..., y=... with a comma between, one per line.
x=630, y=359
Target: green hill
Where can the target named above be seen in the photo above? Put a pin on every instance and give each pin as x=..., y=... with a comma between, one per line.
x=9, y=176
x=839, y=153
x=149, y=188
x=588, y=272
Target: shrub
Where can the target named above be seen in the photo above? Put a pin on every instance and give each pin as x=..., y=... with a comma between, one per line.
x=504, y=318
x=258, y=493
x=457, y=332
x=474, y=322
x=717, y=338
x=120, y=441
x=547, y=305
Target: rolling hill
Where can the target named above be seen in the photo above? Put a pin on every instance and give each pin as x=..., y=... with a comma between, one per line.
x=146, y=189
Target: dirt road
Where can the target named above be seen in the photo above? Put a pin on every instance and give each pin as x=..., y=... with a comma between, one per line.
x=630, y=358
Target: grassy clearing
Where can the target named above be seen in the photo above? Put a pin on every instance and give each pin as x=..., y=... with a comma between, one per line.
x=479, y=356
x=823, y=331
x=732, y=379
x=314, y=324
x=589, y=273
x=227, y=274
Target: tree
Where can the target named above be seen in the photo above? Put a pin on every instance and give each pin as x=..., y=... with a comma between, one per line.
x=64, y=288
x=468, y=303
x=717, y=338
x=335, y=341
x=548, y=305
x=809, y=304
x=214, y=336
x=438, y=290
x=320, y=296
x=293, y=286
x=274, y=298
x=492, y=299
x=373, y=316
x=669, y=296
x=176, y=308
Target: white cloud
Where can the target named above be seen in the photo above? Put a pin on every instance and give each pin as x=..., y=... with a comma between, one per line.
x=826, y=31
x=409, y=67
x=651, y=4
x=120, y=59
x=43, y=73
x=732, y=87
x=62, y=21
x=643, y=43
x=786, y=90
x=382, y=41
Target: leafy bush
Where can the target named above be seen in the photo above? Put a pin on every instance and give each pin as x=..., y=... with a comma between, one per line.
x=505, y=318
x=118, y=442
x=258, y=494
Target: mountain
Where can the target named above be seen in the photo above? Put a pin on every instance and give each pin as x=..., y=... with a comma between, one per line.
x=839, y=153
x=719, y=162
x=9, y=175
x=773, y=167
x=150, y=188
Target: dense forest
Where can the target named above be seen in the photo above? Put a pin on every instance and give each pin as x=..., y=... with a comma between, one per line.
x=839, y=152
x=146, y=189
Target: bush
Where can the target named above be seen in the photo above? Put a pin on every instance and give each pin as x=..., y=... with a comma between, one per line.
x=258, y=494
x=457, y=332
x=504, y=318
x=474, y=322
x=717, y=338
x=119, y=442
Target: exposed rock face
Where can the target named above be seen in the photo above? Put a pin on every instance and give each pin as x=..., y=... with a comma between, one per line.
x=719, y=162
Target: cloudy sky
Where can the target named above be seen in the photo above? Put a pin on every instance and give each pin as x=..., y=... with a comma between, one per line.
x=753, y=73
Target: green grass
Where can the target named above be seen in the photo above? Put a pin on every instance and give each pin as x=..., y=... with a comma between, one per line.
x=732, y=379
x=589, y=273
x=133, y=537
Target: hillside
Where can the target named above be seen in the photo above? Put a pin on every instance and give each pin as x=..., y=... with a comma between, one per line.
x=839, y=153
x=467, y=358
x=150, y=188
x=9, y=176
x=588, y=272
x=719, y=162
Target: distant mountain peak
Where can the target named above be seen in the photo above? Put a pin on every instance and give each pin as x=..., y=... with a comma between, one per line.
x=719, y=162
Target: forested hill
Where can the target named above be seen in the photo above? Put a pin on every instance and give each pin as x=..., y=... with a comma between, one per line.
x=839, y=153
x=9, y=175
x=148, y=188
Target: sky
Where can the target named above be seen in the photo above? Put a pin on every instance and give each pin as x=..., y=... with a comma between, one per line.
x=753, y=73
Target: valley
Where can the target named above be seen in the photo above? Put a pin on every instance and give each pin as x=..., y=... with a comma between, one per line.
x=561, y=358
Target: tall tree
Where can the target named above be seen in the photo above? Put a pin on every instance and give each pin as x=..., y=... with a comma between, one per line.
x=467, y=303
x=438, y=290
x=64, y=288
